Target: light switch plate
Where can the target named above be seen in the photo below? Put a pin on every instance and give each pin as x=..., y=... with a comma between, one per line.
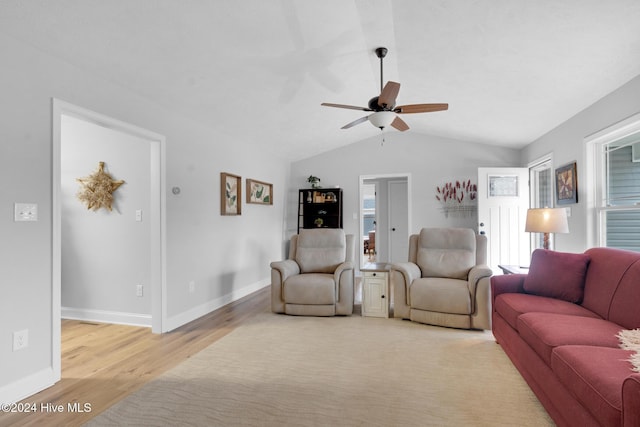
x=25, y=212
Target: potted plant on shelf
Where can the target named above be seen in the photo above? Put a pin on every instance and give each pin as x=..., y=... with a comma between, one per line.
x=314, y=181
x=318, y=222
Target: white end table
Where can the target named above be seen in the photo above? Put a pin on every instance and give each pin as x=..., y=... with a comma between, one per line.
x=375, y=289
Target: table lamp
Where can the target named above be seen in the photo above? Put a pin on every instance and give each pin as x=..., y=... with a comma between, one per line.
x=547, y=220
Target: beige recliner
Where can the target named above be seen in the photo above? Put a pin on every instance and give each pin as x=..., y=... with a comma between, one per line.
x=317, y=279
x=446, y=281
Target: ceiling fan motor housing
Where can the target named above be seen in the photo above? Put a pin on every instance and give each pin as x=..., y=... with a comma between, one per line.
x=374, y=106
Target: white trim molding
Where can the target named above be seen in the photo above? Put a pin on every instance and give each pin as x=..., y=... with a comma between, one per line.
x=185, y=317
x=105, y=316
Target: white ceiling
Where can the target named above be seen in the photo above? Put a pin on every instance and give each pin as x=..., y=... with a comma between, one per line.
x=257, y=70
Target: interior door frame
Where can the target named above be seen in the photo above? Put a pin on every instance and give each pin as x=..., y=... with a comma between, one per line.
x=157, y=216
x=361, y=180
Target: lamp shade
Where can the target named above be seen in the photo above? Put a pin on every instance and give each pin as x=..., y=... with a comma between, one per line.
x=382, y=119
x=547, y=220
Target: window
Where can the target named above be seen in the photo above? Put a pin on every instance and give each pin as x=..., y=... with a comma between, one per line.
x=541, y=193
x=618, y=207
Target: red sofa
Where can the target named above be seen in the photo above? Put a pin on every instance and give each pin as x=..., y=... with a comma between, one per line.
x=558, y=325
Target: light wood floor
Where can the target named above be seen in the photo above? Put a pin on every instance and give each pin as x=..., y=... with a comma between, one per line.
x=103, y=363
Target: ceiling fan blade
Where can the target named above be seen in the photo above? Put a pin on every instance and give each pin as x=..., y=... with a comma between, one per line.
x=420, y=108
x=355, y=122
x=389, y=94
x=399, y=124
x=350, y=107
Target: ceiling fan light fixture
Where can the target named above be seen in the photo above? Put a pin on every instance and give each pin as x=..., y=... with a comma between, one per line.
x=382, y=119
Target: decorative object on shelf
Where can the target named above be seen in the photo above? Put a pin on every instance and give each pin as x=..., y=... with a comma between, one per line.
x=259, y=192
x=97, y=189
x=318, y=222
x=547, y=220
x=330, y=197
x=567, y=184
x=230, y=194
x=314, y=181
x=459, y=197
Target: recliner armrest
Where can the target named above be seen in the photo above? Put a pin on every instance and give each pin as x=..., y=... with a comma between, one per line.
x=475, y=274
x=286, y=268
x=347, y=265
x=410, y=271
x=477, y=285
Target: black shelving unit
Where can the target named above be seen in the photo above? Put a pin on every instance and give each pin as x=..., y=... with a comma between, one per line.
x=320, y=208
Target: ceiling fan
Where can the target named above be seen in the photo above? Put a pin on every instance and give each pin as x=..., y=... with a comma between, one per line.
x=384, y=106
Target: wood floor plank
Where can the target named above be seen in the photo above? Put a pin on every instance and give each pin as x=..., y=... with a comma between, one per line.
x=104, y=363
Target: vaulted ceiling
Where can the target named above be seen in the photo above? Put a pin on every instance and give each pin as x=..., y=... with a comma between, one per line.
x=258, y=70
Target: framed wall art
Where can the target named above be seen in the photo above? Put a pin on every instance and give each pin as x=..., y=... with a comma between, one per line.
x=230, y=194
x=567, y=184
x=259, y=192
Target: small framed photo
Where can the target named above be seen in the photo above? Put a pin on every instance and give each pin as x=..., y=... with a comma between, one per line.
x=259, y=192
x=567, y=184
x=230, y=194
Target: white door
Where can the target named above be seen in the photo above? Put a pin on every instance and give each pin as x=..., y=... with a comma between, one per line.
x=398, y=221
x=503, y=200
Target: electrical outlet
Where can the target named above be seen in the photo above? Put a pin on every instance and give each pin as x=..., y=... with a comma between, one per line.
x=139, y=290
x=20, y=339
x=25, y=212
x=192, y=287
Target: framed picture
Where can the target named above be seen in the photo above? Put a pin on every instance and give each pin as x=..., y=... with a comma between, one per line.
x=230, y=194
x=503, y=186
x=259, y=192
x=567, y=184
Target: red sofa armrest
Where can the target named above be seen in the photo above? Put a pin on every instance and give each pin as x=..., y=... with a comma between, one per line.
x=507, y=283
x=631, y=401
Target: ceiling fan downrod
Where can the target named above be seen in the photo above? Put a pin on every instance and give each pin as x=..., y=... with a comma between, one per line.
x=381, y=52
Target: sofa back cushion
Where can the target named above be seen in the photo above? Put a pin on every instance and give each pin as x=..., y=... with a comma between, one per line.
x=558, y=275
x=607, y=268
x=446, y=252
x=321, y=250
x=612, y=286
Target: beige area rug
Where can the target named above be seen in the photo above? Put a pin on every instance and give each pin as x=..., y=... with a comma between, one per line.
x=344, y=371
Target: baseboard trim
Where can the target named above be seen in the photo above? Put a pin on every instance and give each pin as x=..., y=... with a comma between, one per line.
x=185, y=317
x=27, y=386
x=104, y=316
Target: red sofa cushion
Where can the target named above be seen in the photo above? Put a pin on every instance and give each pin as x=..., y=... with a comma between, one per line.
x=625, y=305
x=546, y=331
x=557, y=275
x=607, y=267
x=594, y=375
x=511, y=306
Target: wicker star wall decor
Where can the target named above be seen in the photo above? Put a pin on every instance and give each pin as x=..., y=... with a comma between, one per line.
x=97, y=189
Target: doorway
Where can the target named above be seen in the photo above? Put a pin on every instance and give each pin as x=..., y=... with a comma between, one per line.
x=384, y=217
x=153, y=216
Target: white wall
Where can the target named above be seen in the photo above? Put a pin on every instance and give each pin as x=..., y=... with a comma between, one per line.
x=105, y=254
x=226, y=257
x=566, y=142
x=431, y=160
